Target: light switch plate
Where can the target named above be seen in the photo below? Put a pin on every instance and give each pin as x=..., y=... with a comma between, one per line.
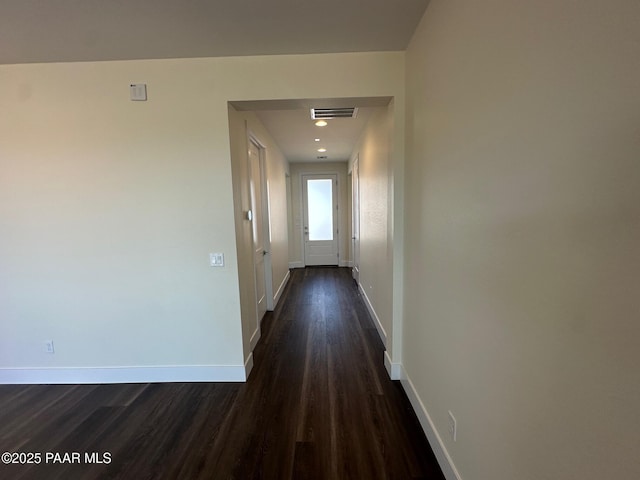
x=216, y=259
x=138, y=92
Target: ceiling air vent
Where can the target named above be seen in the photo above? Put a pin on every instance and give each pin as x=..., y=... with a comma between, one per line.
x=327, y=113
x=321, y=157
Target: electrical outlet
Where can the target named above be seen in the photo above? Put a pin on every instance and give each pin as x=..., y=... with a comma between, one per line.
x=48, y=346
x=453, y=427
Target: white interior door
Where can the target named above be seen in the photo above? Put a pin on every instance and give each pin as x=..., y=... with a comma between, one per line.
x=355, y=219
x=257, y=226
x=320, y=219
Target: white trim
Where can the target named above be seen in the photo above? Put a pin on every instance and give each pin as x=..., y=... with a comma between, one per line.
x=169, y=373
x=435, y=440
x=248, y=365
x=376, y=320
x=254, y=339
x=393, y=369
x=298, y=264
x=276, y=297
x=337, y=223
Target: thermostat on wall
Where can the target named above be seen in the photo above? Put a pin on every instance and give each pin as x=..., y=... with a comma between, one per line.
x=138, y=91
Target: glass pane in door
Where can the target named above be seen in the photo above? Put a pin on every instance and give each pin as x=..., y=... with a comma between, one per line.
x=320, y=204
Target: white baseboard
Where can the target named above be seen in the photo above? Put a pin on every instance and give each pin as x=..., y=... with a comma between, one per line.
x=435, y=440
x=248, y=365
x=393, y=369
x=298, y=264
x=160, y=374
x=374, y=315
x=283, y=284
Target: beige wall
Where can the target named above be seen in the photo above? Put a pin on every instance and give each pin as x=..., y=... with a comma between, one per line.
x=523, y=235
x=376, y=242
x=296, y=247
x=109, y=209
x=276, y=169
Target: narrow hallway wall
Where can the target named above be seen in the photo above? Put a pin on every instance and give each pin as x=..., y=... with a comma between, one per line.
x=376, y=230
x=277, y=168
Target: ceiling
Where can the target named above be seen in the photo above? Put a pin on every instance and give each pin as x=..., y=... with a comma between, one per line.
x=34, y=31
x=295, y=133
x=93, y=30
x=290, y=124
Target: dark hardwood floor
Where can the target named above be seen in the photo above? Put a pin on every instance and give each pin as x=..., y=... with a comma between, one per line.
x=318, y=405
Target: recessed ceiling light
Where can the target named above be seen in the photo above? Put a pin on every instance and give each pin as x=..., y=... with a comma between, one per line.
x=321, y=123
x=322, y=150
x=317, y=139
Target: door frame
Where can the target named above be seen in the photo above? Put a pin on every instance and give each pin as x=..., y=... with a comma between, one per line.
x=336, y=218
x=266, y=222
x=355, y=218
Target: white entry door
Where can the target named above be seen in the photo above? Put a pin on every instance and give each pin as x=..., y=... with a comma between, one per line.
x=320, y=217
x=257, y=226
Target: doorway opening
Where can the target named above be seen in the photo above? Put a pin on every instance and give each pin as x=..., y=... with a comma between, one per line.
x=327, y=200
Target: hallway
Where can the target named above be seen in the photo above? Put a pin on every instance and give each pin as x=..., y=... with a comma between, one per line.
x=318, y=404
x=322, y=405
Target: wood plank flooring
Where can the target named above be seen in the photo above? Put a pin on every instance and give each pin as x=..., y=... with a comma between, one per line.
x=318, y=405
